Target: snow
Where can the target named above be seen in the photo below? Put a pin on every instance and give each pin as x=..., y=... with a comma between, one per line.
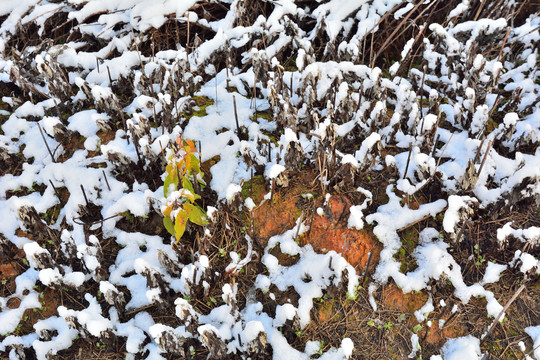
x=249, y=204
x=466, y=347
x=49, y=276
x=283, y=313
x=356, y=211
x=534, y=333
x=530, y=235
x=85, y=122
x=493, y=273
x=9, y=318
x=422, y=313
x=252, y=329
x=90, y=318
x=369, y=119
x=310, y=266
x=527, y=262
x=415, y=346
x=232, y=190
x=451, y=216
x=63, y=340
x=391, y=217
x=274, y=171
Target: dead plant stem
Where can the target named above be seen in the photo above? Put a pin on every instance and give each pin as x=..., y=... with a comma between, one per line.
x=484, y=159
x=514, y=297
x=437, y=166
x=408, y=161
x=45, y=141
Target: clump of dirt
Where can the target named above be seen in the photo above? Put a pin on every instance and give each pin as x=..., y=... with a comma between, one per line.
x=331, y=232
x=8, y=271
x=279, y=213
x=276, y=216
x=438, y=333
x=10, y=267
x=49, y=301
x=394, y=298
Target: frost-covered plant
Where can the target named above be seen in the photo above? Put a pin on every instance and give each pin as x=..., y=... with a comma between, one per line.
x=184, y=175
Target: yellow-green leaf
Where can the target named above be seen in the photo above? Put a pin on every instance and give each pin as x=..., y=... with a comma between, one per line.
x=167, y=185
x=188, y=164
x=168, y=210
x=180, y=224
x=170, y=168
x=188, y=195
x=168, y=225
x=196, y=214
x=191, y=145
x=186, y=184
x=181, y=167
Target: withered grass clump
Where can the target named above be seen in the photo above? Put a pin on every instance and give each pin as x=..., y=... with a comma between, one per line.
x=360, y=78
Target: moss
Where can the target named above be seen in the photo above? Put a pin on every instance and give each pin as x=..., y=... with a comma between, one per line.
x=256, y=188
x=4, y=105
x=265, y=114
x=202, y=103
x=24, y=191
x=291, y=65
x=271, y=136
x=326, y=310
x=3, y=118
x=491, y=125
x=425, y=102
x=52, y=213
x=205, y=167
x=417, y=62
x=409, y=240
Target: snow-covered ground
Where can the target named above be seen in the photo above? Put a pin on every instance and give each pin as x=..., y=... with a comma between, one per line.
x=465, y=117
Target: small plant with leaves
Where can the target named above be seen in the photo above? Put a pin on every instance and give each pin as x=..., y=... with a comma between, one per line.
x=183, y=176
x=321, y=348
x=481, y=259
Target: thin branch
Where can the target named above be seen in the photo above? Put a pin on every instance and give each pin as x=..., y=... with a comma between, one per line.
x=417, y=221
x=477, y=155
x=84, y=194
x=46, y=144
x=484, y=159
x=55, y=190
x=236, y=117
x=514, y=297
x=106, y=181
x=370, y=256
x=299, y=225
x=408, y=161
x=436, y=167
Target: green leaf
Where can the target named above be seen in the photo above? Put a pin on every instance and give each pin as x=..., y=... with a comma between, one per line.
x=195, y=166
x=166, y=185
x=170, y=179
x=180, y=224
x=168, y=225
x=196, y=214
x=186, y=184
